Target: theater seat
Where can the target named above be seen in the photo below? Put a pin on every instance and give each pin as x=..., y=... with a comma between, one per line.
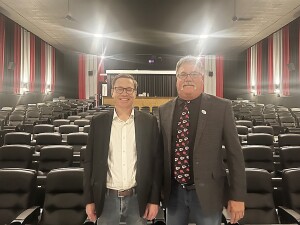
x=55, y=156
x=64, y=204
x=17, y=193
x=259, y=203
x=15, y=156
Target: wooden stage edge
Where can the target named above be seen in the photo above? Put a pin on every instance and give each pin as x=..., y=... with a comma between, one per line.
x=142, y=101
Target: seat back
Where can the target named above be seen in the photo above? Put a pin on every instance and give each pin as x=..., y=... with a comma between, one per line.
x=291, y=188
x=55, y=156
x=290, y=157
x=21, y=138
x=263, y=129
x=260, y=207
x=43, y=128
x=258, y=156
x=66, y=129
x=288, y=140
x=15, y=156
x=260, y=139
x=17, y=188
x=64, y=202
x=77, y=140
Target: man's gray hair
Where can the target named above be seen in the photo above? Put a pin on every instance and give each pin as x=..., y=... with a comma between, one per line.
x=190, y=59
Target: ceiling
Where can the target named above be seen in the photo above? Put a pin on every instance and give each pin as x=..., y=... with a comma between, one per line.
x=151, y=26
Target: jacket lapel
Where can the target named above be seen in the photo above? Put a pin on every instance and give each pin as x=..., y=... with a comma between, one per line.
x=138, y=123
x=168, y=119
x=205, y=109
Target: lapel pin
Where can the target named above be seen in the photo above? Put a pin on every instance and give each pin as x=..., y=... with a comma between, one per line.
x=203, y=111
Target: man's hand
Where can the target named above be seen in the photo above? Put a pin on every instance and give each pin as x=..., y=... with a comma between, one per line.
x=91, y=212
x=151, y=211
x=236, y=210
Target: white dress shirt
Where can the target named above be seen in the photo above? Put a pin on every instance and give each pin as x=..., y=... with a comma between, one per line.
x=122, y=156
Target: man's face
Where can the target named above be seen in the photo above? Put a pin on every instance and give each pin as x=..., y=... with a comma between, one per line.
x=123, y=93
x=189, y=81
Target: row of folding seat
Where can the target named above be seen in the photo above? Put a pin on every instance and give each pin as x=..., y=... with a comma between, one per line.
x=48, y=158
x=42, y=139
x=262, y=157
x=62, y=202
x=259, y=203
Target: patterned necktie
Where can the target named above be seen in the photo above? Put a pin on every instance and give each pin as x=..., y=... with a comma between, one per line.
x=181, y=164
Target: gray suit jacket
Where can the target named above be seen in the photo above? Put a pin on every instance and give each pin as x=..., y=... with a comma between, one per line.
x=215, y=127
x=149, y=161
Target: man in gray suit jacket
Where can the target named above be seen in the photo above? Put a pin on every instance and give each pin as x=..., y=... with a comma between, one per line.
x=193, y=128
x=122, y=168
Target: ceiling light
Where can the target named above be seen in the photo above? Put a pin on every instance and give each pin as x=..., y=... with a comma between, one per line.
x=203, y=36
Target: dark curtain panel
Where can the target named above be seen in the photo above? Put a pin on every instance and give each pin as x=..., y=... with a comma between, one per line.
x=9, y=57
x=294, y=56
x=163, y=85
x=264, y=67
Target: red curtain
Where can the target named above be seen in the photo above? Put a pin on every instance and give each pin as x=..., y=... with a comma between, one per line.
x=259, y=68
x=249, y=70
x=219, y=75
x=285, y=61
x=53, y=70
x=17, y=58
x=32, y=63
x=81, y=76
x=2, y=48
x=43, y=68
x=270, y=64
x=100, y=78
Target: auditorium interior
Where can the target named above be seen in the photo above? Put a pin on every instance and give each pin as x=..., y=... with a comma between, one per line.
x=57, y=62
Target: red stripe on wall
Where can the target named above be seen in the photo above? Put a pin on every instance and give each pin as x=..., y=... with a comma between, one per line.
x=219, y=75
x=43, y=68
x=2, y=49
x=259, y=67
x=53, y=70
x=81, y=76
x=270, y=65
x=32, y=63
x=249, y=70
x=17, y=58
x=285, y=61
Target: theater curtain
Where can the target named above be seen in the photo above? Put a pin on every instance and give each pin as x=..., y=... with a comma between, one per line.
x=2, y=48
x=32, y=63
x=81, y=76
x=249, y=70
x=270, y=65
x=219, y=75
x=43, y=68
x=17, y=58
x=259, y=68
x=53, y=69
x=277, y=59
x=48, y=71
x=285, y=61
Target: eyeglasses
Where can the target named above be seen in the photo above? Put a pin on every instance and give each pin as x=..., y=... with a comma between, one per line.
x=185, y=75
x=120, y=90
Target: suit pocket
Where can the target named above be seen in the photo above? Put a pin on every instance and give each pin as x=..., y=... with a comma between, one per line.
x=218, y=174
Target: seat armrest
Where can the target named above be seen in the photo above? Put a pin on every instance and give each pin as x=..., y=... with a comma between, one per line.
x=27, y=216
x=287, y=215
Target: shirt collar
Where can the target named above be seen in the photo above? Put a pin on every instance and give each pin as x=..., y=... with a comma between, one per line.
x=181, y=101
x=115, y=116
